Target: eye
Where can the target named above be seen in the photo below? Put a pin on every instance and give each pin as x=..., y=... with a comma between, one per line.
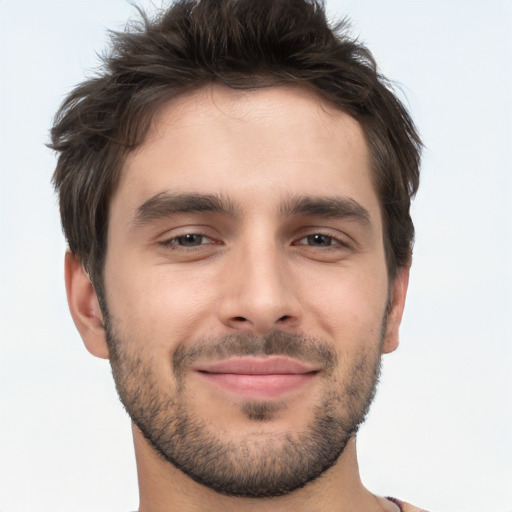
x=319, y=240
x=191, y=240
x=187, y=240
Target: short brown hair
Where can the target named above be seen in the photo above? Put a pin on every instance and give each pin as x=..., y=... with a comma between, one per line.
x=242, y=44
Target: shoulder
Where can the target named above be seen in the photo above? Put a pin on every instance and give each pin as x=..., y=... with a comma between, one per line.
x=410, y=508
x=406, y=507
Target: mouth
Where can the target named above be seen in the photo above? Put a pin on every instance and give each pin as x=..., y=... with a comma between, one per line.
x=261, y=378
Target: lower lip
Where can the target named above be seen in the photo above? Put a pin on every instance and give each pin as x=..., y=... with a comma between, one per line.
x=259, y=386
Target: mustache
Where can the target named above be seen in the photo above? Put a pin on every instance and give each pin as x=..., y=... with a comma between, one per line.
x=297, y=346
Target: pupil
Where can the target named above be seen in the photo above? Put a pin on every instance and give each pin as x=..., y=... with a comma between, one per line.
x=320, y=240
x=190, y=240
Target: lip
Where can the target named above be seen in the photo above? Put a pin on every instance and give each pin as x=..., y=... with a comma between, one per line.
x=257, y=377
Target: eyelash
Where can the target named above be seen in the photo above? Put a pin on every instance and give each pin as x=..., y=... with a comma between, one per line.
x=172, y=243
x=336, y=243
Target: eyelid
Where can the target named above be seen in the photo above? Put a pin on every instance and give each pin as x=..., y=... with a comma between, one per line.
x=338, y=241
x=172, y=240
x=170, y=230
x=168, y=238
x=342, y=239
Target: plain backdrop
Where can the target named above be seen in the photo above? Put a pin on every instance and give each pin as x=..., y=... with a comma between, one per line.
x=439, y=433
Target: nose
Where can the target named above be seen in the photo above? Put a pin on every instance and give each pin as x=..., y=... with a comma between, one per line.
x=259, y=293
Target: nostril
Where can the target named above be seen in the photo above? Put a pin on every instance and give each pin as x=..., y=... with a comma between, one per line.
x=284, y=318
x=240, y=319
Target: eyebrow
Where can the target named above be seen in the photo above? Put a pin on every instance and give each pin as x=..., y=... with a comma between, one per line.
x=338, y=207
x=165, y=204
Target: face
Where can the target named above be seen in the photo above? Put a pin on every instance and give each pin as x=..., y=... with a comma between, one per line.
x=246, y=287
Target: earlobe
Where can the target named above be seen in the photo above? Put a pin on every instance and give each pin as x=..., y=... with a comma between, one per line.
x=84, y=307
x=398, y=292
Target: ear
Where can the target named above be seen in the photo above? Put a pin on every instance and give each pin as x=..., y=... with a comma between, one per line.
x=398, y=292
x=84, y=307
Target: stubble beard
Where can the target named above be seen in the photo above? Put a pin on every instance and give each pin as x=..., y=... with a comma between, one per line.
x=257, y=465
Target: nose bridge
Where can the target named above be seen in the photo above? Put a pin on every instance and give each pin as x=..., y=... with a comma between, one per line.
x=259, y=295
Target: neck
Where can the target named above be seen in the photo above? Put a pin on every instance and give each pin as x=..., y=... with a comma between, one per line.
x=163, y=488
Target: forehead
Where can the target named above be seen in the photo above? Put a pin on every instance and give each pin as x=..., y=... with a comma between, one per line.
x=274, y=141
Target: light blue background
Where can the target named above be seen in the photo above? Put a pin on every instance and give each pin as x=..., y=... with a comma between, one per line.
x=439, y=433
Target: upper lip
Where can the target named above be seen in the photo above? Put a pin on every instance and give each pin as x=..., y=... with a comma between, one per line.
x=272, y=365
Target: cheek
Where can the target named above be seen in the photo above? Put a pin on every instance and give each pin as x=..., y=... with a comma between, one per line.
x=157, y=303
x=348, y=306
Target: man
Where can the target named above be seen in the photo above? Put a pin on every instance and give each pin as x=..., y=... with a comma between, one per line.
x=235, y=190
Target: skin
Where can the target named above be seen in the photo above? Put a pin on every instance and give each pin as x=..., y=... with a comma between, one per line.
x=255, y=272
